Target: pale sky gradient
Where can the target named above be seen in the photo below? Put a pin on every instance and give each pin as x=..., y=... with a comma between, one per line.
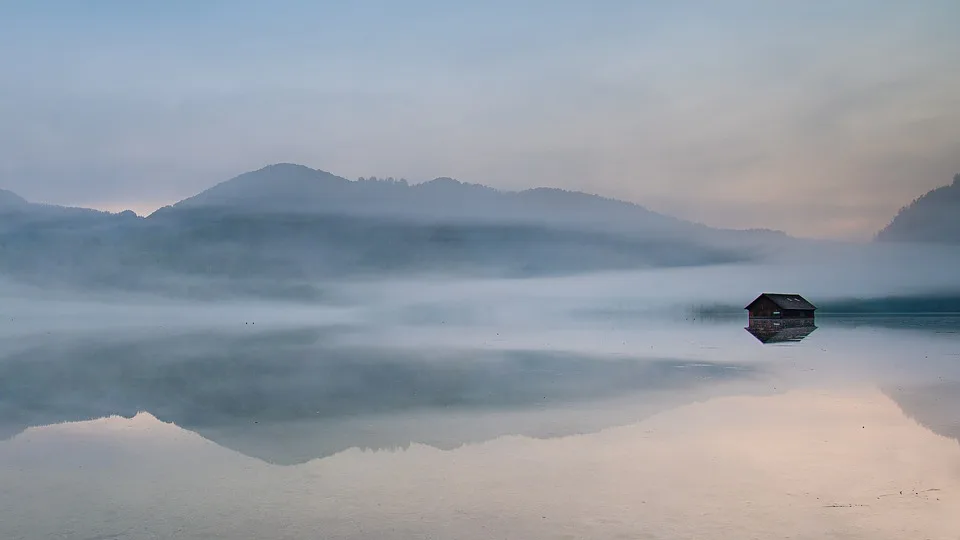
x=818, y=118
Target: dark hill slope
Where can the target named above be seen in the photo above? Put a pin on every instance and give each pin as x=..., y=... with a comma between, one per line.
x=285, y=229
x=10, y=200
x=293, y=188
x=934, y=217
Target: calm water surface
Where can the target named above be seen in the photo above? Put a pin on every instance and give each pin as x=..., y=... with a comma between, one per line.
x=646, y=428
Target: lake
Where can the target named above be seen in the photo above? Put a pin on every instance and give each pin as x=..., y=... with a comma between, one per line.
x=597, y=425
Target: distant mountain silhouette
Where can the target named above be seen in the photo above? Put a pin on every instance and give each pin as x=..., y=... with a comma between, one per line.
x=290, y=188
x=13, y=206
x=280, y=230
x=9, y=199
x=934, y=217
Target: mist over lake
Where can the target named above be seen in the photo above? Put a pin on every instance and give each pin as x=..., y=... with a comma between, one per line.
x=266, y=419
x=454, y=270
x=529, y=363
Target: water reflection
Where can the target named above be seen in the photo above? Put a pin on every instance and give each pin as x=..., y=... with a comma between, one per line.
x=802, y=464
x=780, y=331
x=291, y=396
x=688, y=431
x=936, y=406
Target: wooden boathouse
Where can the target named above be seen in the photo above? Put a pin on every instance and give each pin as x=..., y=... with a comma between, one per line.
x=778, y=306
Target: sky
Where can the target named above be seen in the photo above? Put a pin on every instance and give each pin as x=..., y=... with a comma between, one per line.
x=817, y=118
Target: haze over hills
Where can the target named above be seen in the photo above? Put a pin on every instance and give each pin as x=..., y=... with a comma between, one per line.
x=934, y=217
x=275, y=229
x=284, y=230
x=9, y=199
x=290, y=188
x=15, y=206
x=20, y=218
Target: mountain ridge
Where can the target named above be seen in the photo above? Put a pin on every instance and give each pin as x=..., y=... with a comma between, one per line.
x=285, y=229
x=294, y=188
x=297, y=188
x=9, y=199
x=12, y=202
x=933, y=217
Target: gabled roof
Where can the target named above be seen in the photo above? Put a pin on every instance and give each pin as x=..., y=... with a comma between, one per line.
x=786, y=301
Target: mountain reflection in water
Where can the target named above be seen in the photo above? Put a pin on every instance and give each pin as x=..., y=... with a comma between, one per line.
x=801, y=464
x=289, y=396
x=850, y=435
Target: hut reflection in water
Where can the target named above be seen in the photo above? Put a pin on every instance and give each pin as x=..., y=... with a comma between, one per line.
x=780, y=331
